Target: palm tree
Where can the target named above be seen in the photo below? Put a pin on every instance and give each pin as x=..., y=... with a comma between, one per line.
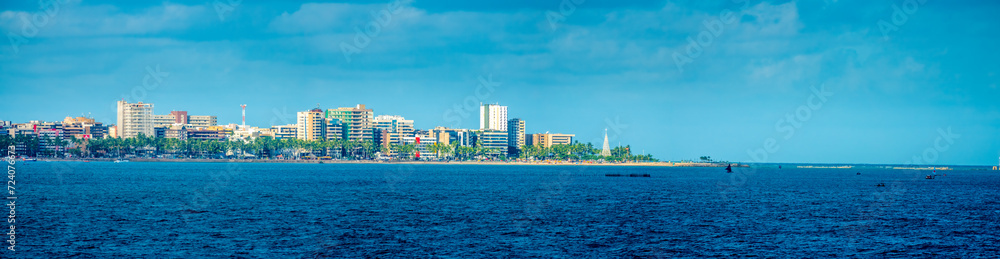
x=405, y=151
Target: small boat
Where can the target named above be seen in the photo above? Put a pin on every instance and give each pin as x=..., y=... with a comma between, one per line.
x=929, y=177
x=29, y=159
x=729, y=168
x=121, y=161
x=880, y=185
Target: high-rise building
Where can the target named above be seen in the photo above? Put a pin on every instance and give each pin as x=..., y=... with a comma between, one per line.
x=357, y=121
x=311, y=125
x=549, y=139
x=492, y=117
x=515, y=136
x=134, y=119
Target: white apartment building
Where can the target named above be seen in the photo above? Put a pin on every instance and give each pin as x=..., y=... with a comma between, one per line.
x=492, y=117
x=135, y=118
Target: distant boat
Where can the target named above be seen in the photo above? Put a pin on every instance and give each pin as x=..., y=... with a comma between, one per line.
x=929, y=177
x=729, y=168
x=121, y=161
x=29, y=159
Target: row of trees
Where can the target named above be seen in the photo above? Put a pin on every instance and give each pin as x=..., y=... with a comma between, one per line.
x=581, y=151
x=267, y=147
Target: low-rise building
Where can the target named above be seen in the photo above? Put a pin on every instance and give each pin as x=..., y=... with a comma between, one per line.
x=549, y=139
x=422, y=143
x=494, y=140
x=207, y=134
x=84, y=128
x=448, y=136
x=182, y=118
x=284, y=131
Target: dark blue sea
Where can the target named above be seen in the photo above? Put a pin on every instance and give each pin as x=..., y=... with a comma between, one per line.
x=213, y=210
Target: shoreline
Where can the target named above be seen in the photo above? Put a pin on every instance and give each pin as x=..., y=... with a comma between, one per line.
x=538, y=163
x=278, y=161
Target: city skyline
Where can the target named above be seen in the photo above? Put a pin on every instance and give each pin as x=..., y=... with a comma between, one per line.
x=889, y=88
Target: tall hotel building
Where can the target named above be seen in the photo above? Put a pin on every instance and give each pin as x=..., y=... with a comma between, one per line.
x=492, y=117
x=311, y=125
x=134, y=118
x=515, y=135
x=357, y=121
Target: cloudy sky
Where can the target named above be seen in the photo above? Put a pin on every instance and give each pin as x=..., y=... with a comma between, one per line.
x=769, y=81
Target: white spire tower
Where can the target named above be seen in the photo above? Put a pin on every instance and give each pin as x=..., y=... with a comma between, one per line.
x=606, y=150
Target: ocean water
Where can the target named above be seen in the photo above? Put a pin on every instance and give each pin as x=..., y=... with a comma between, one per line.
x=196, y=210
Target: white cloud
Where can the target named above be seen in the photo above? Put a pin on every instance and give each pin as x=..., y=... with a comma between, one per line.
x=73, y=19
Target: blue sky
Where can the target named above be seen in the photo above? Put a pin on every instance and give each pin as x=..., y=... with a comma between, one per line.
x=897, y=78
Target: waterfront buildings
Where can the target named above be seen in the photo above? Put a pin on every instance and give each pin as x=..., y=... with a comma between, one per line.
x=492, y=117
x=497, y=134
x=394, y=126
x=173, y=131
x=548, y=139
x=422, y=142
x=187, y=132
x=134, y=119
x=381, y=137
x=448, y=136
x=515, y=135
x=315, y=125
x=182, y=117
x=5, y=128
x=284, y=131
x=357, y=121
x=84, y=128
x=202, y=120
x=494, y=140
x=207, y=134
x=312, y=125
